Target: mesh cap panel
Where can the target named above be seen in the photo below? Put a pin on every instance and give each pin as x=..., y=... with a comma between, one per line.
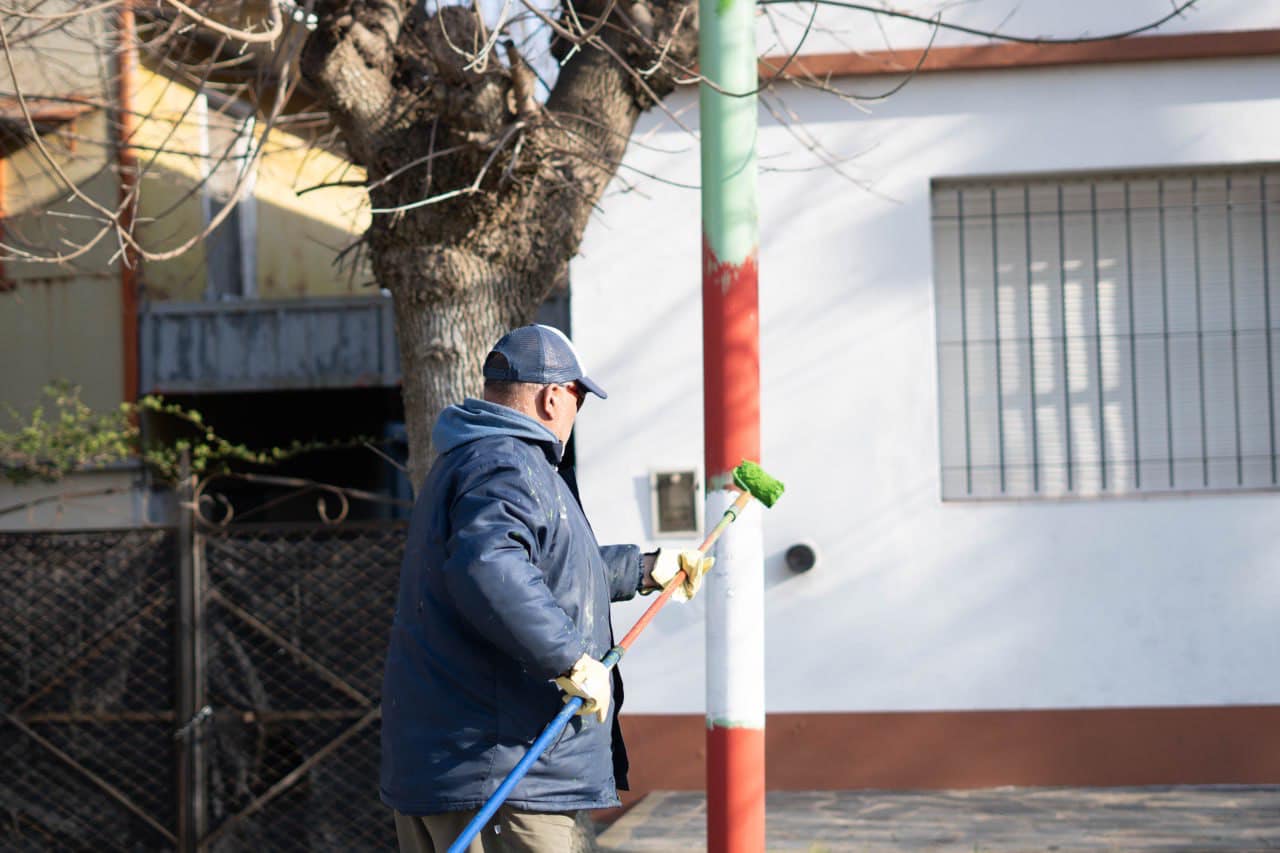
x=537, y=354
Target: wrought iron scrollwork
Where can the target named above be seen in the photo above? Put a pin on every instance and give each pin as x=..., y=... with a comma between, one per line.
x=333, y=503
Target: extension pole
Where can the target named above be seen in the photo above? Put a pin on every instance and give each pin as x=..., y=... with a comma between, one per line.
x=731, y=368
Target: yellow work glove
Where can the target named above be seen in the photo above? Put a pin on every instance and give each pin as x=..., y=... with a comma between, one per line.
x=669, y=563
x=589, y=679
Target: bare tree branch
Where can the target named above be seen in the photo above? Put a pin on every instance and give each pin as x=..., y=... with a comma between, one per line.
x=996, y=34
x=487, y=134
x=277, y=25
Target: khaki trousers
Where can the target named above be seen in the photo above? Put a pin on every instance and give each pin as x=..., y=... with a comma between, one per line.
x=510, y=831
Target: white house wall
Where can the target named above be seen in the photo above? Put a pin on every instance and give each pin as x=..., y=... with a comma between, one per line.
x=916, y=604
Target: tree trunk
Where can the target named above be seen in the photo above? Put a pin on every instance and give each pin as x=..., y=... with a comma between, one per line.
x=443, y=340
x=525, y=177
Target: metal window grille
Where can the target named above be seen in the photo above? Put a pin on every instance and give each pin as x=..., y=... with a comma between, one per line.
x=231, y=248
x=1108, y=334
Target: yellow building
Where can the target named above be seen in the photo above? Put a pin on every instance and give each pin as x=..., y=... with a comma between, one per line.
x=252, y=321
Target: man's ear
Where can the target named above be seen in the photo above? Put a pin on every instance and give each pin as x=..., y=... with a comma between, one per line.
x=545, y=401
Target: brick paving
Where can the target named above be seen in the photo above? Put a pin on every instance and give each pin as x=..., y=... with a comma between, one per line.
x=1001, y=819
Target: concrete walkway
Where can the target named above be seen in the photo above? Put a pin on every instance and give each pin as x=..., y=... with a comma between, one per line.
x=1002, y=819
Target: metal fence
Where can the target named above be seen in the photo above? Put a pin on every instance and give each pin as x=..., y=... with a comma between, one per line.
x=194, y=689
x=87, y=686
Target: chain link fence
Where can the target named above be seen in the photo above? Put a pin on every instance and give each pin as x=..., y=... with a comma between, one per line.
x=217, y=690
x=87, y=687
x=295, y=628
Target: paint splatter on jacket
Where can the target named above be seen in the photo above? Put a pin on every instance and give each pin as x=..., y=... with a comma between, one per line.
x=502, y=588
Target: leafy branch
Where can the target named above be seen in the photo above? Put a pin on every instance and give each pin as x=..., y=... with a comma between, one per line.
x=66, y=435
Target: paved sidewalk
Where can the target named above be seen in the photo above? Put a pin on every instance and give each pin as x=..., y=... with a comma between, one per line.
x=1001, y=819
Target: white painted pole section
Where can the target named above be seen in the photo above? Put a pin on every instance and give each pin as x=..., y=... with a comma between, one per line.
x=735, y=618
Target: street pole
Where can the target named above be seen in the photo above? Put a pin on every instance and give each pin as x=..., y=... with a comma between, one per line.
x=127, y=166
x=731, y=370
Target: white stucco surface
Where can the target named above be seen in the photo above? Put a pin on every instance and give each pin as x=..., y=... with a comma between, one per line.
x=916, y=604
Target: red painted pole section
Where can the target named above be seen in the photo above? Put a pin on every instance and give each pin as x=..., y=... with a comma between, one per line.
x=731, y=364
x=735, y=790
x=731, y=399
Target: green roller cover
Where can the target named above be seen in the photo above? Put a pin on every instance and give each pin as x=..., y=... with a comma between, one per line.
x=750, y=477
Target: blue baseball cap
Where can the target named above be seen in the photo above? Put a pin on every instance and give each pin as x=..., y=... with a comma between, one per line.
x=538, y=354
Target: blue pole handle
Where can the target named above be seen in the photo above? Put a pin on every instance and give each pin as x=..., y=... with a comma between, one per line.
x=549, y=734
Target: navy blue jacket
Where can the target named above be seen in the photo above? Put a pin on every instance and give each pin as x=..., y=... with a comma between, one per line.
x=503, y=587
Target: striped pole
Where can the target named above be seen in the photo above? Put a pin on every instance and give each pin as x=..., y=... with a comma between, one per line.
x=731, y=367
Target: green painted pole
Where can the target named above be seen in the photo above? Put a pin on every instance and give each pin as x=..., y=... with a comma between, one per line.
x=731, y=371
x=727, y=57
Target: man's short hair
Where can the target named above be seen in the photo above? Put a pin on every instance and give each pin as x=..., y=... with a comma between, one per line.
x=506, y=391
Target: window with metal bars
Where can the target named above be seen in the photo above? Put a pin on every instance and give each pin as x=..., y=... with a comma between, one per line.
x=230, y=249
x=1108, y=334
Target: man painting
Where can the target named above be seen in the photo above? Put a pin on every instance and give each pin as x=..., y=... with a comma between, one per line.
x=504, y=602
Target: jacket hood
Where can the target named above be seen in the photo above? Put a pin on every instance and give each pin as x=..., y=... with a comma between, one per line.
x=475, y=419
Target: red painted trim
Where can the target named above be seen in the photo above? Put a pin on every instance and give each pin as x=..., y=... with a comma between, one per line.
x=127, y=164
x=1088, y=747
x=731, y=362
x=1003, y=55
x=45, y=111
x=735, y=789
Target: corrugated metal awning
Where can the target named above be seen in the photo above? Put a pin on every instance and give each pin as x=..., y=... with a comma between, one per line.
x=259, y=345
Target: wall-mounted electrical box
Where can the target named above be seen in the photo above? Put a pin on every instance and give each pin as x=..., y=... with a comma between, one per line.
x=676, y=497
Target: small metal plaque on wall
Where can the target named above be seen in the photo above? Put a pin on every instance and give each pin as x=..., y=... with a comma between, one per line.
x=677, y=508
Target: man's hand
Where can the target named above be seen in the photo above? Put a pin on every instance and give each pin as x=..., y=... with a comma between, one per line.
x=589, y=679
x=695, y=567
